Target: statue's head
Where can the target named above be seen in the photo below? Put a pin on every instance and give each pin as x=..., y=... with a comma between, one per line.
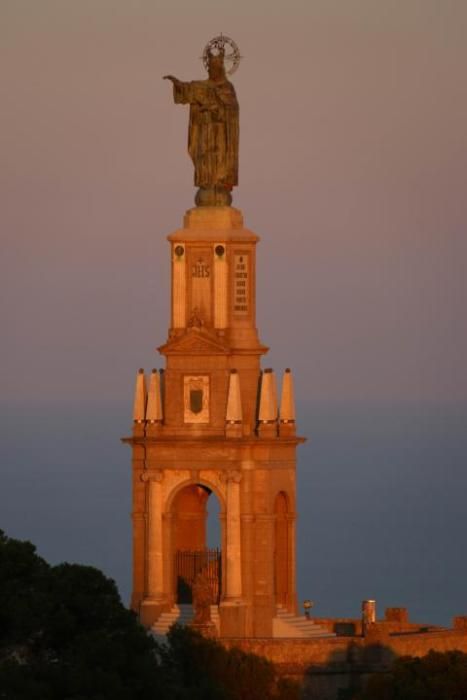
x=216, y=67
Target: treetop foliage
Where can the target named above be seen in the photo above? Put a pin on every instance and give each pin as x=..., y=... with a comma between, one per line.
x=65, y=635
x=436, y=676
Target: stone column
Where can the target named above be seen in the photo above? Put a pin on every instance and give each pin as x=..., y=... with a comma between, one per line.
x=220, y=287
x=154, y=599
x=232, y=611
x=155, y=563
x=139, y=529
x=168, y=559
x=248, y=553
x=178, y=287
x=292, y=594
x=233, y=588
x=138, y=560
x=264, y=599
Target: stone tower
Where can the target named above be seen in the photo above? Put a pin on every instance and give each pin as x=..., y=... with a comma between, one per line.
x=210, y=422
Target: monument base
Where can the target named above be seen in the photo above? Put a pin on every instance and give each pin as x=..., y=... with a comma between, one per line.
x=232, y=616
x=150, y=611
x=264, y=614
x=213, y=197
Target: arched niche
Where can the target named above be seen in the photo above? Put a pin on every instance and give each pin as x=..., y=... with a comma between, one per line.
x=189, y=517
x=211, y=486
x=189, y=553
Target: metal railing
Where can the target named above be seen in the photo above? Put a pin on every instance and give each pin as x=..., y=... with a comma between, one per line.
x=190, y=563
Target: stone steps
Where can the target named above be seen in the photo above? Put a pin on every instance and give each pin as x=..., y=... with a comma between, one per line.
x=286, y=624
x=180, y=615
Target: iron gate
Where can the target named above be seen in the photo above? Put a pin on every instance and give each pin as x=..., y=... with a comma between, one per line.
x=190, y=563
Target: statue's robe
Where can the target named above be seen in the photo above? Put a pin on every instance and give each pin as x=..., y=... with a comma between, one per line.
x=213, y=131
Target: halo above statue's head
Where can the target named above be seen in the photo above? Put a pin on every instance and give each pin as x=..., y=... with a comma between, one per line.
x=217, y=47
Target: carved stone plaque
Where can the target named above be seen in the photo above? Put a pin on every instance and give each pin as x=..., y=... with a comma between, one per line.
x=196, y=399
x=241, y=291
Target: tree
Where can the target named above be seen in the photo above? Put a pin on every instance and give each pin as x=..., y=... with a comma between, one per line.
x=65, y=635
x=209, y=671
x=436, y=676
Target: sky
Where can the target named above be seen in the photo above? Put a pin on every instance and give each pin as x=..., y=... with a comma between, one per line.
x=353, y=164
x=353, y=170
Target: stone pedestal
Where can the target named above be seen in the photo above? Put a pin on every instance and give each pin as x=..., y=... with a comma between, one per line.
x=210, y=441
x=150, y=611
x=233, y=618
x=264, y=612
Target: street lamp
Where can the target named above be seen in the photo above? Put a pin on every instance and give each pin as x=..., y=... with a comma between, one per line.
x=307, y=605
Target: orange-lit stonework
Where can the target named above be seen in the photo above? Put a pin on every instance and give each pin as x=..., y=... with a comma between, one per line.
x=212, y=422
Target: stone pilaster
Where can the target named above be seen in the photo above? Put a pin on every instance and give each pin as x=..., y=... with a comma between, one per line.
x=220, y=287
x=233, y=588
x=292, y=603
x=232, y=610
x=138, y=559
x=264, y=582
x=178, y=287
x=154, y=599
x=248, y=535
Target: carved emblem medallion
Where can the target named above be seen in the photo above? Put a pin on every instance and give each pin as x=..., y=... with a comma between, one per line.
x=196, y=399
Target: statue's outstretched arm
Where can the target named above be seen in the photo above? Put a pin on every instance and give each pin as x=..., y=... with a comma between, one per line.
x=172, y=78
x=181, y=90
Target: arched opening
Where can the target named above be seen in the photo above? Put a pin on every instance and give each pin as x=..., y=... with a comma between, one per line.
x=213, y=530
x=196, y=541
x=281, y=550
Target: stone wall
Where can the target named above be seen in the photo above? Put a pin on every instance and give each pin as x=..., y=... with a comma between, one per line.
x=329, y=667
